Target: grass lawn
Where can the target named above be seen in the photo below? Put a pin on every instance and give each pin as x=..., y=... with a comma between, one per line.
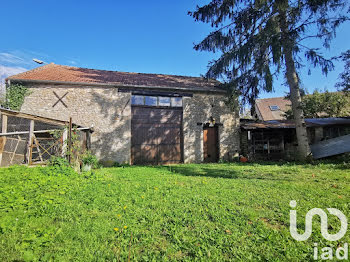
x=187, y=212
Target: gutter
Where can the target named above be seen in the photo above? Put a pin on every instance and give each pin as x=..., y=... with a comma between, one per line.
x=160, y=88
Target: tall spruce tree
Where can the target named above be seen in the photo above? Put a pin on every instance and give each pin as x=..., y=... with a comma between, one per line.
x=344, y=84
x=259, y=39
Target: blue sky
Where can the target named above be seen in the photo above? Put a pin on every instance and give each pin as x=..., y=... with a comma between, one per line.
x=133, y=36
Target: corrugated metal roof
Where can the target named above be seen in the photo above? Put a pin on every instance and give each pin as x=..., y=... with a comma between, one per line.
x=310, y=122
x=331, y=147
x=328, y=121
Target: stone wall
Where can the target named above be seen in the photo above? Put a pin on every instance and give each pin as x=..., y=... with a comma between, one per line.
x=198, y=109
x=109, y=111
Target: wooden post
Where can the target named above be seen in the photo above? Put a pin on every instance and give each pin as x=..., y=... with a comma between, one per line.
x=30, y=142
x=4, y=124
x=88, y=140
x=64, y=142
x=3, y=139
x=70, y=141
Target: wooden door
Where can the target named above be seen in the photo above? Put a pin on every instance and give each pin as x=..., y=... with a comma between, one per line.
x=210, y=144
x=156, y=135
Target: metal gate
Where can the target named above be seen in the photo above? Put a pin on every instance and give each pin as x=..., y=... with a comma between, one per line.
x=156, y=135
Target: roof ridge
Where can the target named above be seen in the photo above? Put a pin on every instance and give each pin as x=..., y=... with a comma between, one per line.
x=64, y=73
x=153, y=74
x=273, y=98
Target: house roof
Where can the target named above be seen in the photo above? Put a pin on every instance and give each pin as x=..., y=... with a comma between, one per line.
x=264, y=112
x=69, y=74
x=310, y=122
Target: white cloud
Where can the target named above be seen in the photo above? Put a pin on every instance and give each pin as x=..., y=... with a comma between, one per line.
x=8, y=58
x=21, y=58
x=6, y=71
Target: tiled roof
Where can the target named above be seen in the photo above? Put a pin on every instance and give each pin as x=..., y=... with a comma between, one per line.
x=265, y=113
x=60, y=73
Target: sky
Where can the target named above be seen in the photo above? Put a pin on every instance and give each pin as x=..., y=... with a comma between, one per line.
x=131, y=36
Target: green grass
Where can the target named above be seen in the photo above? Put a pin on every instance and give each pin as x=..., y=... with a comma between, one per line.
x=188, y=212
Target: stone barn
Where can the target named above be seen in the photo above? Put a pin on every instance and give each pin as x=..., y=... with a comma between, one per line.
x=137, y=118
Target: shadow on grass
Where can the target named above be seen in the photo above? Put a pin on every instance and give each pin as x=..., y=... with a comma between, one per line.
x=205, y=171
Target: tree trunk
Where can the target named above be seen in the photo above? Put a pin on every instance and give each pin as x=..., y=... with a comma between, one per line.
x=293, y=82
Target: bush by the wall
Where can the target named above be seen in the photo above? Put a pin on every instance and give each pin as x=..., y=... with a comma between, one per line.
x=15, y=95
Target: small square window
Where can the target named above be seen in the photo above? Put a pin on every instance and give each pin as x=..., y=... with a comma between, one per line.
x=164, y=101
x=176, y=101
x=137, y=100
x=151, y=101
x=274, y=108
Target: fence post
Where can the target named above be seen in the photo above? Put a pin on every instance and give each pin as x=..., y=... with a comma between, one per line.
x=3, y=139
x=70, y=140
x=30, y=142
x=64, y=142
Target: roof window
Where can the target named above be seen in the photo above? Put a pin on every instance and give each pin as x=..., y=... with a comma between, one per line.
x=274, y=108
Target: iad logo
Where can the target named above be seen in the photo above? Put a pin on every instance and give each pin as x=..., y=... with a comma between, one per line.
x=324, y=223
x=327, y=252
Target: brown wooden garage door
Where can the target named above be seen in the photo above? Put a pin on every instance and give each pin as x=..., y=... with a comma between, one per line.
x=156, y=135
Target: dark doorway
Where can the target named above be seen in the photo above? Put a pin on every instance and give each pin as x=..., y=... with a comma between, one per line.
x=210, y=144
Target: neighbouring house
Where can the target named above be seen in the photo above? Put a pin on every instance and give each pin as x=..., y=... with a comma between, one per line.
x=271, y=108
x=276, y=139
x=137, y=118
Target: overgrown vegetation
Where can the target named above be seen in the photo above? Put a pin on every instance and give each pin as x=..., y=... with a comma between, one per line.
x=327, y=104
x=15, y=95
x=74, y=150
x=212, y=212
x=89, y=159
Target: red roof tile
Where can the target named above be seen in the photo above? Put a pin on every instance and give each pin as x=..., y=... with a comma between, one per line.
x=265, y=113
x=60, y=73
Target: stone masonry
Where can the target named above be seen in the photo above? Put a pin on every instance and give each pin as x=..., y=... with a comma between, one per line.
x=109, y=113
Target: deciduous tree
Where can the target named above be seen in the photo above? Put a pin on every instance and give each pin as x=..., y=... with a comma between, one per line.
x=325, y=104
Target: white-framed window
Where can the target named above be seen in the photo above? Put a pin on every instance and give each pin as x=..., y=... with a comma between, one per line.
x=156, y=100
x=176, y=101
x=274, y=108
x=137, y=100
x=151, y=100
x=163, y=101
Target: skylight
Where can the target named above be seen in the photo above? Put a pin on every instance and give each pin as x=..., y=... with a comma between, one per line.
x=274, y=108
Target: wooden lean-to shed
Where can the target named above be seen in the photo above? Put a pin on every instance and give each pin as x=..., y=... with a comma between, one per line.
x=31, y=139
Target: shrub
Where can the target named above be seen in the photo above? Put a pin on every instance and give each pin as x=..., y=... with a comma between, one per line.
x=89, y=159
x=15, y=95
x=58, y=166
x=58, y=161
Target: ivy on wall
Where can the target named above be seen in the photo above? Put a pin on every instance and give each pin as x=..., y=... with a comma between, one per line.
x=15, y=95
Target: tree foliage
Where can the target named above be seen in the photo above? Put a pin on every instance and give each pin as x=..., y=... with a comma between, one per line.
x=325, y=104
x=344, y=84
x=250, y=36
